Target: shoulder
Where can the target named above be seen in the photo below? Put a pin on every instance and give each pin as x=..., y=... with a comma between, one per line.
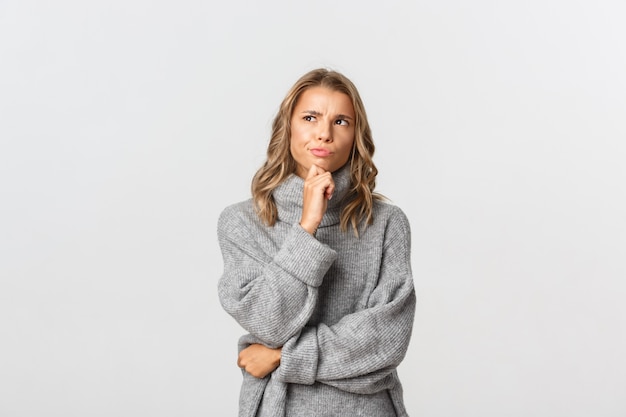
x=237, y=215
x=392, y=223
x=390, y=214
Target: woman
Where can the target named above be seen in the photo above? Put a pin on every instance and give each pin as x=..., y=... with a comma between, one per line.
x=317, y=267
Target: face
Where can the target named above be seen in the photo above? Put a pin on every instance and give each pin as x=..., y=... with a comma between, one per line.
x=322, y=130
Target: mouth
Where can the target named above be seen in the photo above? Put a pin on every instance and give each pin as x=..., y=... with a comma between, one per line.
x=320, y=152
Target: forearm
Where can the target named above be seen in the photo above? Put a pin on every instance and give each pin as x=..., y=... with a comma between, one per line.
x=356, y=354
x=273, y=297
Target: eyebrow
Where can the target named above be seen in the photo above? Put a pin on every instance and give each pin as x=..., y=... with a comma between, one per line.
x=316, y=113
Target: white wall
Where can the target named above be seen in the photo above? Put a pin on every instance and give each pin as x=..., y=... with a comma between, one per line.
x=126, y=126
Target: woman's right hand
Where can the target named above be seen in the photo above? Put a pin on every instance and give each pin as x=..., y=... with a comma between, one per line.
x=318, y=189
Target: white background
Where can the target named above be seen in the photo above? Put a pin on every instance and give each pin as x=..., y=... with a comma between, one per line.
x=126, y=127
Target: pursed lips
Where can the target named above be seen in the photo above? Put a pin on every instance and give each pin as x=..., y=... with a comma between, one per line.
x=320, y=152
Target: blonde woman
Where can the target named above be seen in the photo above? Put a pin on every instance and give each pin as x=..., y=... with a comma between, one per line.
x=317, y=267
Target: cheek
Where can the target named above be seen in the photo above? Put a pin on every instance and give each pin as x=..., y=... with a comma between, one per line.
x=348, y=143
x=348, y=151
x=298, y=134
x=296, y=143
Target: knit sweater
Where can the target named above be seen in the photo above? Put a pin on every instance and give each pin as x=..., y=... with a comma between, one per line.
x=340, y=306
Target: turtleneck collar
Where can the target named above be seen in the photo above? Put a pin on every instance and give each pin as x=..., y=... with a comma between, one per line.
x=288, y=198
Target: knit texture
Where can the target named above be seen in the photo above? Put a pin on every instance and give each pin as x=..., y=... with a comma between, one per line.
x=341, y=307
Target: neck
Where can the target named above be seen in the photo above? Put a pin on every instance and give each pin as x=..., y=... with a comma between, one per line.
x=289, y=195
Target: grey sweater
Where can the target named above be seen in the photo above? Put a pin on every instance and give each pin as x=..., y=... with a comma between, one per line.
x=341, y=307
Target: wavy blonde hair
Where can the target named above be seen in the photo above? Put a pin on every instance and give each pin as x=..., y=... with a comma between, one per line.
x=280, y=163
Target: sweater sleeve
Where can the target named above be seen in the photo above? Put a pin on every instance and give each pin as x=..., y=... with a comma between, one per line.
x=361, y=351
x=272, y=297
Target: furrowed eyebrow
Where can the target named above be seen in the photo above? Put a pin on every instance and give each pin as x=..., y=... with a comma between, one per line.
x=316, y=113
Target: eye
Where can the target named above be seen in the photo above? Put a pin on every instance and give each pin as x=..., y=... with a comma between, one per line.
x=342, y=122
x=309, y=118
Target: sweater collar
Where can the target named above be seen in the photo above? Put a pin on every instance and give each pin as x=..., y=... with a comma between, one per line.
x=288, y=198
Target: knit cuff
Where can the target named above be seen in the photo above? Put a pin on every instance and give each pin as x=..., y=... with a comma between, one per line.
x=299, y=357
x=304, y=257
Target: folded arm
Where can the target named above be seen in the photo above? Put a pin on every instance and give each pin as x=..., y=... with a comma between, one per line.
x=360, y=352
x=271, y=296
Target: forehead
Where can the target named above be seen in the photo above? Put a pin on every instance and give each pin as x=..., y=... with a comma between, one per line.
x=325, y=100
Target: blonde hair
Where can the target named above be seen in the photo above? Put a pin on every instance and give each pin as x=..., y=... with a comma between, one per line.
x=280, y=164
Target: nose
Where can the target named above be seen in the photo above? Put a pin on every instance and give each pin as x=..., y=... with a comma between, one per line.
x=325, y=133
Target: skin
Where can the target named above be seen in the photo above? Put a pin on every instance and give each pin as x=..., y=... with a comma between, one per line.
x=259, y=360
x=322, y=119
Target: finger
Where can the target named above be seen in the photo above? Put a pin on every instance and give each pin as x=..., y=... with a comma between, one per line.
x=328, y=192
x=325, y=183
x=313, y=172
x=320, y=170
x=241, y=360
x=330, y=188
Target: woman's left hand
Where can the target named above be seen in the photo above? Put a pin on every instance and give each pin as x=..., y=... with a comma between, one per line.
x=259, y=360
